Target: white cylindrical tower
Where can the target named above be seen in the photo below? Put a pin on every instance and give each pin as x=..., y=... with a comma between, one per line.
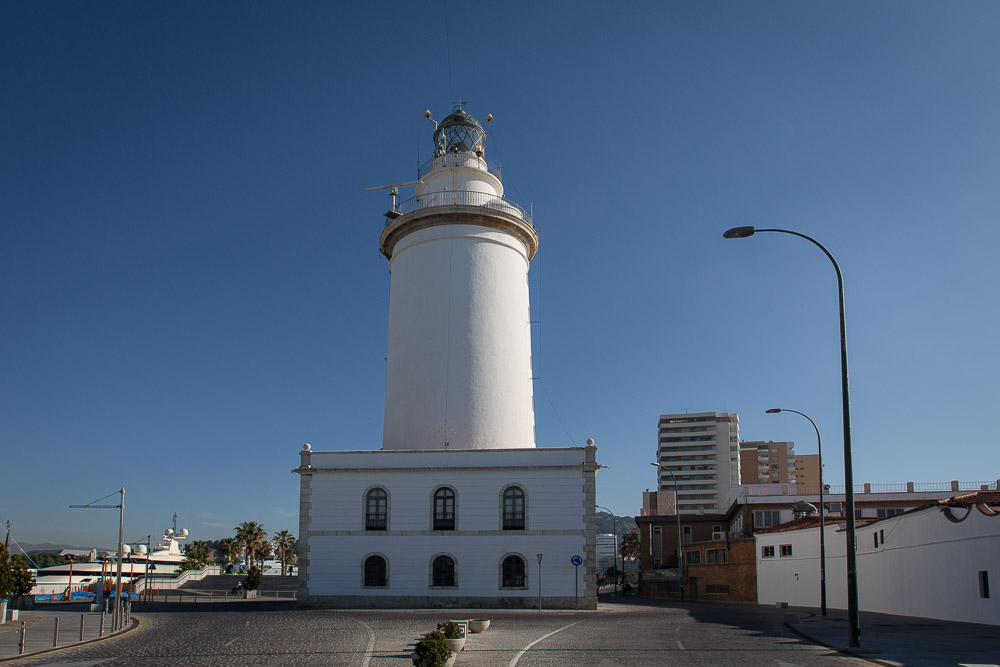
x=458, y=369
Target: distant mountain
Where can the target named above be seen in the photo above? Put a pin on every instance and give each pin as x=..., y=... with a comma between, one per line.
x=608, y=525
x=48, y=546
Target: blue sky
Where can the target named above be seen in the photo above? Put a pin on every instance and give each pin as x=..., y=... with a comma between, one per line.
x=191, y=284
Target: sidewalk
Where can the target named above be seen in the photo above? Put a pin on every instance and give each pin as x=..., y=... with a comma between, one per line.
x=40, y=627
x=902, y=640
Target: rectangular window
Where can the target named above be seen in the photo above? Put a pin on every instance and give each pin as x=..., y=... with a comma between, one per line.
x=875, y=535
x=657, y=547
x=984, y=584
x=717, y=589
x=886, y=512
x=692, y=557
x=767, y=552
x=766, y=518
x=786, y=550
x=717, y=556
x=881, y=537
x=687, y=534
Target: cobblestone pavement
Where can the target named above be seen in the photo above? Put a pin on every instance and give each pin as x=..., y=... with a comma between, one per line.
x=614, y=636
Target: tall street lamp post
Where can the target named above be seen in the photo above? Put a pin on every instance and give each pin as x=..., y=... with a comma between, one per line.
x=822, y=524
x=853, y=613
x=116, y=617
x=614, y=528
x=677, y=512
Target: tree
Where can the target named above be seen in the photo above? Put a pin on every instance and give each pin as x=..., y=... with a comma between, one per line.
x=230, y=548
x=263, y=551
x=285, y=541
x=15, y=578
x=250, y=534
x=629, y=548
x=197, y=555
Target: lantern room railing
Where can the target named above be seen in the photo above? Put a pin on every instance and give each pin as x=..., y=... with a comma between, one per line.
x=463, y=159
x=482, y=200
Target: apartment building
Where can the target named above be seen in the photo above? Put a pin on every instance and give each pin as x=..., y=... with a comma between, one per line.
x=701, y=449
x=777, y=463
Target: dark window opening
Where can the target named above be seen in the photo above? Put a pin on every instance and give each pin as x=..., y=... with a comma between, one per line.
x=512, y=572
x=443, y=571
x=513, y=509
x=375, y=572
x=377, y=510
x=444, y=509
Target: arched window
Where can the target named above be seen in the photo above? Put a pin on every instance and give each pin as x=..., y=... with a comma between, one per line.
x=512, y=572
x=443, y=571
x=377, y=509
x=376, y=572
x=513, y=508
x=444, y=509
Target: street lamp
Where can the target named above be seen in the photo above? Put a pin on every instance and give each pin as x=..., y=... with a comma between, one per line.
x=853, y=613
x=116, y=617
x=614, y=528
x=677, y=511
x=822, y=524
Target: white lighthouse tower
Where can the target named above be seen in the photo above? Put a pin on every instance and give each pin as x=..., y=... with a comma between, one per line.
x=458, y=369
x=458, y=508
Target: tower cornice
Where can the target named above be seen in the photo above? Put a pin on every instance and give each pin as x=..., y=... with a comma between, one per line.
x=458, y=214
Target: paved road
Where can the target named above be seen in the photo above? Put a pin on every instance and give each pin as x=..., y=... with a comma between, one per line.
x=614, y=636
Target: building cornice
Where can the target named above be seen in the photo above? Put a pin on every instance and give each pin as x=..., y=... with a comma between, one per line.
x=437, y=216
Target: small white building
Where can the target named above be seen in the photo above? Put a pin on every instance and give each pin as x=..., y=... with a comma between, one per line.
x=458, y=508
x=936, y=561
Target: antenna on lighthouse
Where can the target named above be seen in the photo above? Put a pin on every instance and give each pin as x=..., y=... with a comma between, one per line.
x=393, y=189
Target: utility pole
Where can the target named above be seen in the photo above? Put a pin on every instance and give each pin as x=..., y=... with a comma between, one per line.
x=116, y=616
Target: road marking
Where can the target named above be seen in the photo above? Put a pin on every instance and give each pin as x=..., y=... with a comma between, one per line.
x=371, y=642
x=680, y=645
x=231, y=641
x=514, y=660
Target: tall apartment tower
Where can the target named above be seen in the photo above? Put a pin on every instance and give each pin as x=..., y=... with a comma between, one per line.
x=701, y=449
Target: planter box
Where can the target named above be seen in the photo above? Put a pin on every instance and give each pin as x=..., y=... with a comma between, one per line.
x=250, y=595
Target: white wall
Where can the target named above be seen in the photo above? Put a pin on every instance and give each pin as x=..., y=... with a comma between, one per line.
x=458, y=366
x=556, y=500
x=928, y=567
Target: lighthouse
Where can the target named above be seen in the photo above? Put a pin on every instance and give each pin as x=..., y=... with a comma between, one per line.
x=458, y=365
x=458, y=508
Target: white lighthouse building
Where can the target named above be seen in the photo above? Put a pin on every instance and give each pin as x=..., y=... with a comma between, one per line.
x=458, y=508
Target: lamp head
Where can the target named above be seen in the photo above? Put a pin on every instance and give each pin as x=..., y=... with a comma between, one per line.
x=428, y=115
x=655, y=464
x=772, y=411
x=739, y=232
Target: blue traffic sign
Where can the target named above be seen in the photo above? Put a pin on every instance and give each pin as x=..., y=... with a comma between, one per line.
x=576, y=560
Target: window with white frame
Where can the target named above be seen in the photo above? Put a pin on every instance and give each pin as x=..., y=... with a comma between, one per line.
x=785, y=550
x=767, y=551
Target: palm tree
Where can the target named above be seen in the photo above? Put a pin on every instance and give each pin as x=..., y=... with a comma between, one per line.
x=629, y=548
x=263, y=551
x=250, y=534
x=285, y=540
x=230, y=548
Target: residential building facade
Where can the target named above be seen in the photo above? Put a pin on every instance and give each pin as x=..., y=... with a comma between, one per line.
x=702, y=451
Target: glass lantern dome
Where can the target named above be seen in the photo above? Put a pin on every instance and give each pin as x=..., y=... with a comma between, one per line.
x=459, y=133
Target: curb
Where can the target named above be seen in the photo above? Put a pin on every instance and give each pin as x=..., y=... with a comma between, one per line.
x=136, y=624
x=839, y=649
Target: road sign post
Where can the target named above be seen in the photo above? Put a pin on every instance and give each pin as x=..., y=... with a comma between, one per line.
x=577, y=561
x=539, y=556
